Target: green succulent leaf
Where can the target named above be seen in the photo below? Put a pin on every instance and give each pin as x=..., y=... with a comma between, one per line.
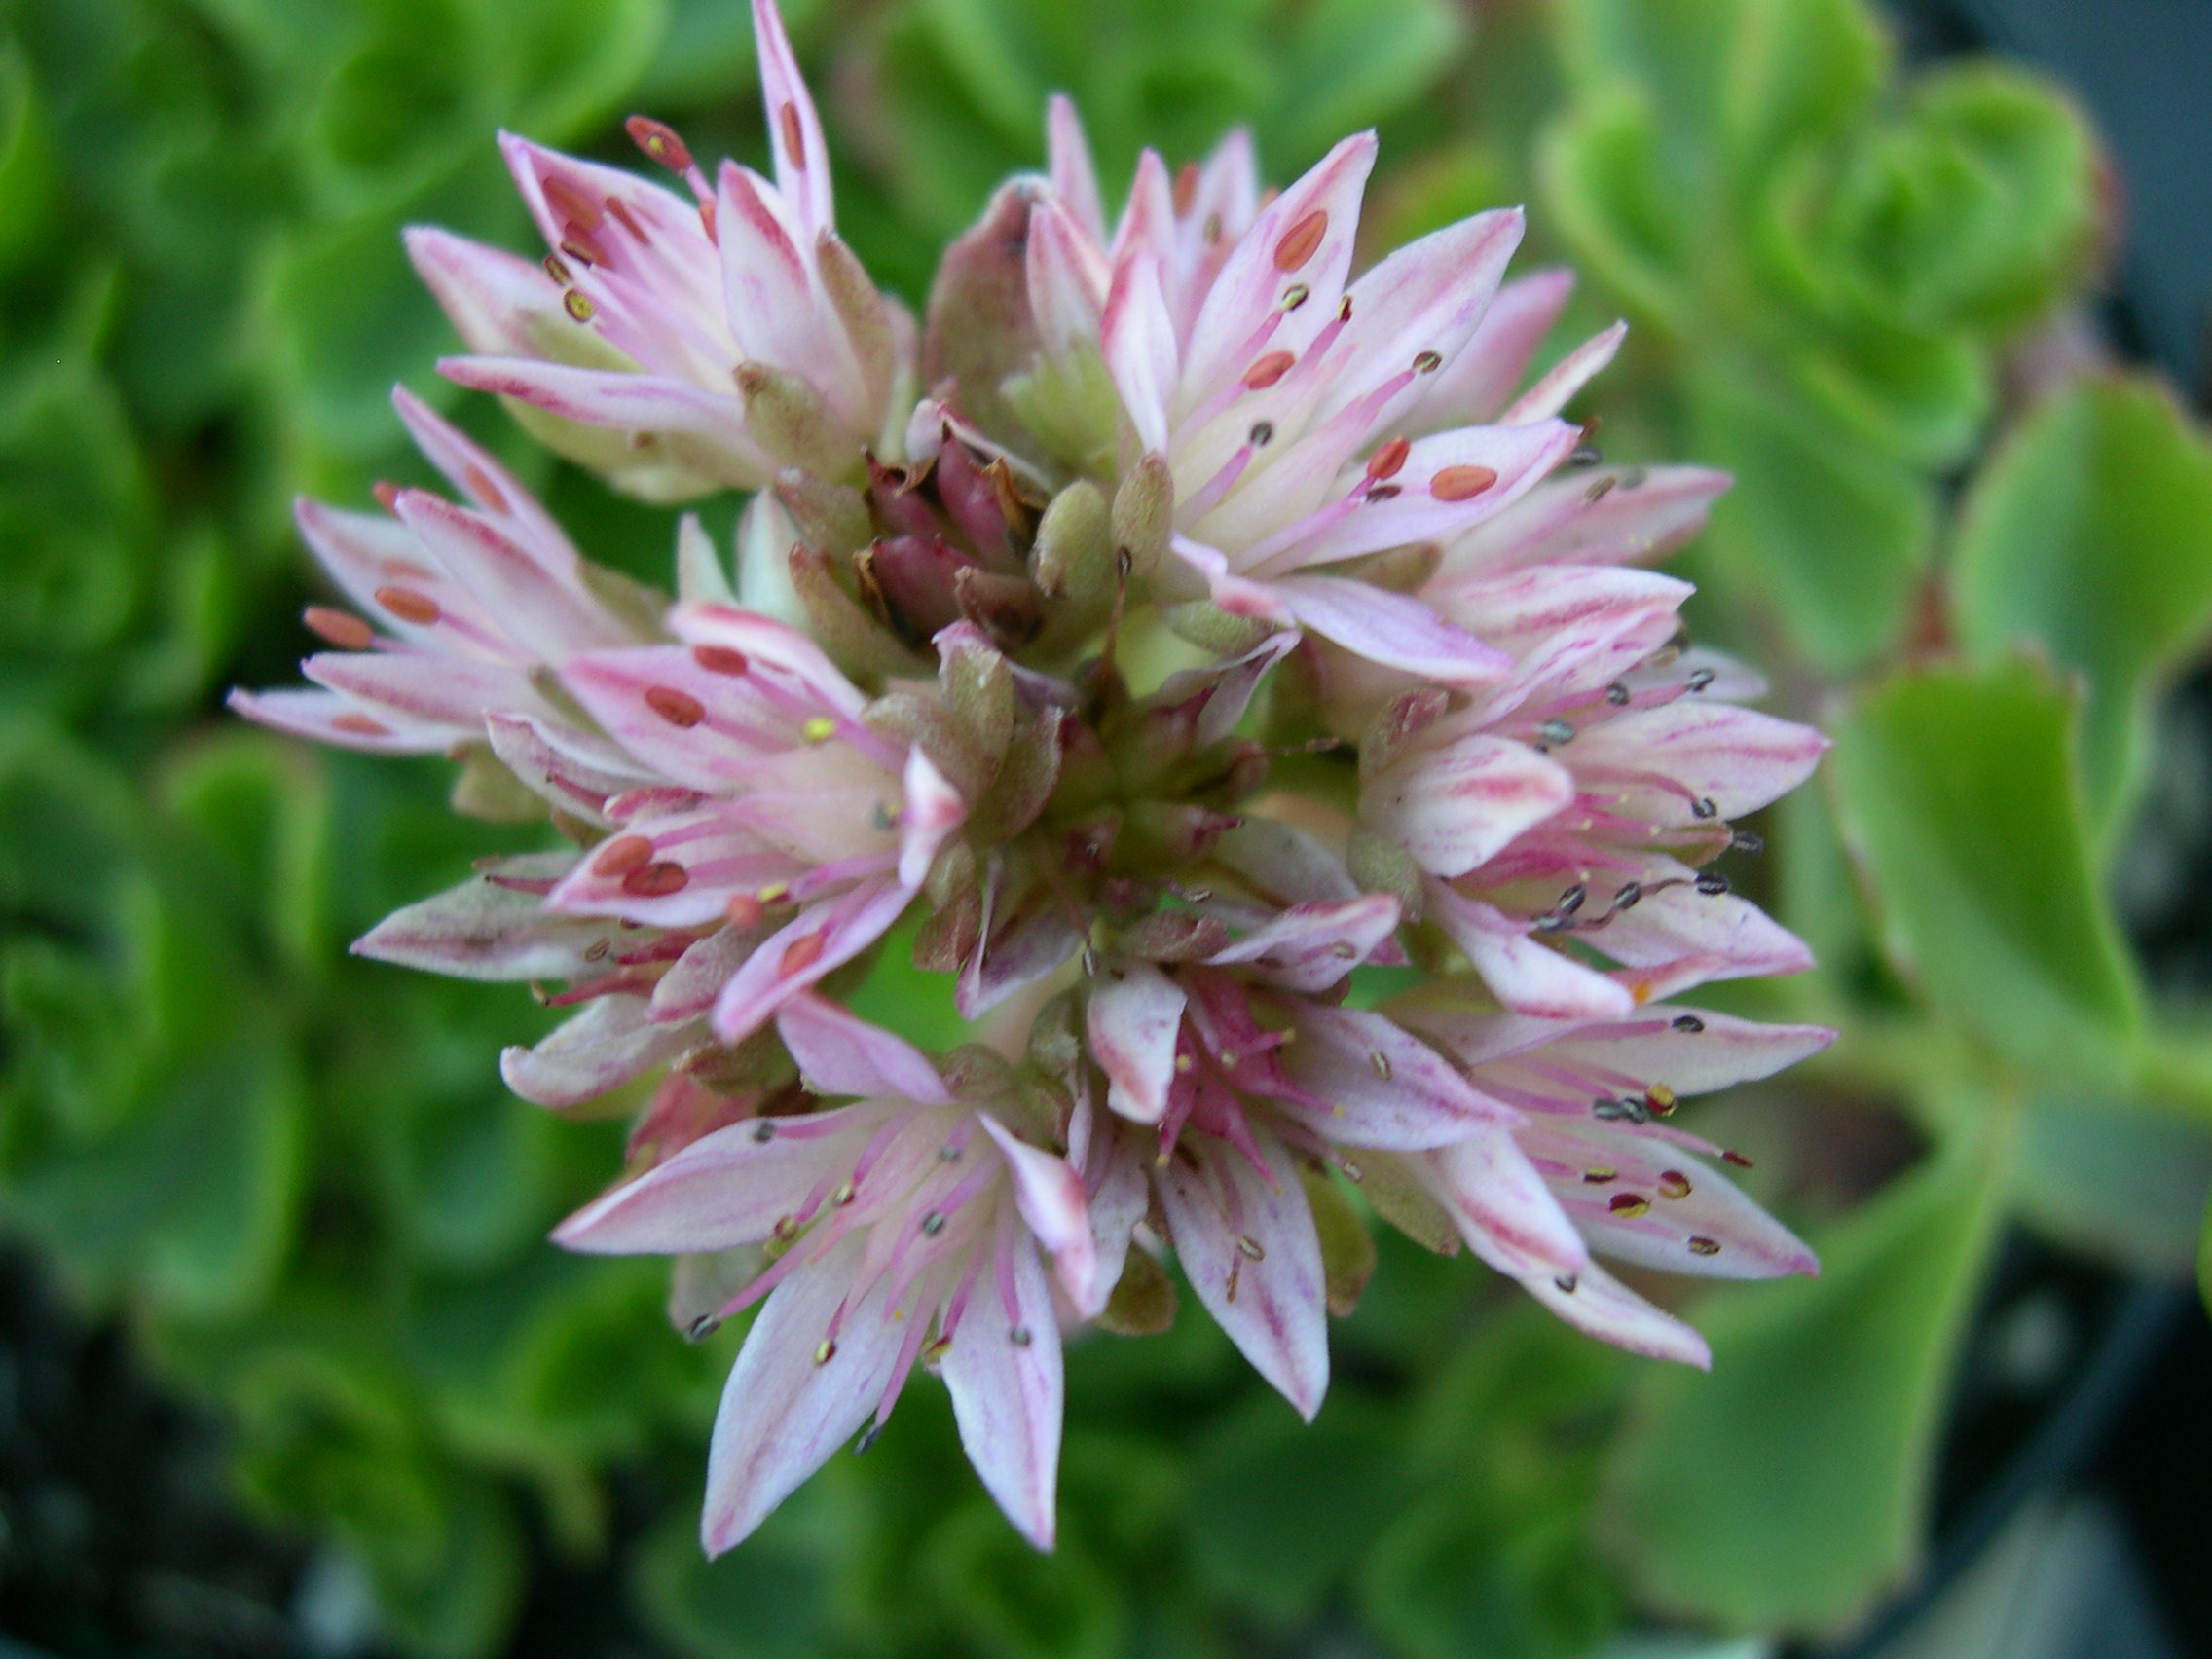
x=1789, y=1486
x=2088, y=538
x=1958, y=789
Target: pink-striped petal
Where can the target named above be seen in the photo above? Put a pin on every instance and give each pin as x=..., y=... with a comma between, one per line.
x=1477, y=380
x=1525, y=975
x=1048, y=1194
x=796, y=1394
x=1309, y=947
x=1392, y=629
x=1003, y=1371
x=1134, y=1017
x=1249, y=1248
x=610, y=1043
x=1458, y=804
x=1381, y=1086
x=1502, y=1207
x=840, y=1053
x=794, y=130
x=1599, y=1305
x=730, y=1187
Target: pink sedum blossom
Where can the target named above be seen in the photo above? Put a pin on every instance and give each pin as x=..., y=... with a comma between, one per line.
x=913, y=1226
x=1224, y=627
x=682, y=344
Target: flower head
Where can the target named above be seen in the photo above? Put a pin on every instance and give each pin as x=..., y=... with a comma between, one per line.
x=682, y=344
x=1223, y=625
x=916, y=1224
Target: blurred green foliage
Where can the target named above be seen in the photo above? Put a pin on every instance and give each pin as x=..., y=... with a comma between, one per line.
x=298, y=1177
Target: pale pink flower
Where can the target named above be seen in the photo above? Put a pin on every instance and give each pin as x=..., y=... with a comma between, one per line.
x=683, y=345
x=470, y=604
x=914, y=1225
x=1577, y=797
x=1309, y=418
x=781, y=836
x=1233, y=1050
x=1613, y=1177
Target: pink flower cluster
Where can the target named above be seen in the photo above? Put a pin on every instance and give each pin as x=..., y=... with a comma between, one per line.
x=1169, y=631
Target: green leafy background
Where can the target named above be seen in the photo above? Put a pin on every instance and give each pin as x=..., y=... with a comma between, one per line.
x=1975, y=556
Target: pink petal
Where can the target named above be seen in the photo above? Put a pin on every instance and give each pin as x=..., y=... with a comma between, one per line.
x=491, y=487
x=324, y=716
x=1067, y=155
x=1528, y=976
x=1309, y=947
x=587, y=1054
x=628, y=403
x=1720, y=1052
x=365, y=552
x=498, y=304
x=1567, y=377
x=1389, y=628
x=1737, y=758
x=1003, y=1374
x=1602, y=1306
x=483, y=930
x=1384, y=1086
x=562, y=767
x=542, y=609
x=934, y=809
x=1458, y=804
x=1283, y=863
x=1476, y=382
x=1503, y=1209
x=730, y=1187
x=1303, y=238
x=821, y=938
x=1440, y=492
x=840, y=1053
x=1425, y=297
x=802, y=169
x=1137, y=338
x=1681, y=938
x=1048, y=1194
x=1693, y=1219
x=1067, y=280
x=446, y=691
x=763, y=639
x=782, y=1412
x=1258, y=1277
x=1644, y=513
x=1134, y=1016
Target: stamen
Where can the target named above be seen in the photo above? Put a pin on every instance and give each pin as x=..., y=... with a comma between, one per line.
x=1380, y=1063
x=1461, y=482
x=764, y=1131
x=578, y=305
x=1186, y=187
x=676, y=708
x=802, y=953
x=1701, y=677
x=720, y=659
x=819, y=728
x=1427, y=362
x=1628, y=1205
x=1262, y=433
x=1674, y=1184
x=1712, y=883
x=1301, y=240
x=825, y=1351
x=1599, y=1177
x=1386, y=461
x=408, y=605
x=621, y=856
x=1267, y=370
x=1688, y=1022
x=1731, y=1156
x=341, y=628
x=1699, y=1245
x=1295, y=295
x=659, y=142
x=656, y=880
